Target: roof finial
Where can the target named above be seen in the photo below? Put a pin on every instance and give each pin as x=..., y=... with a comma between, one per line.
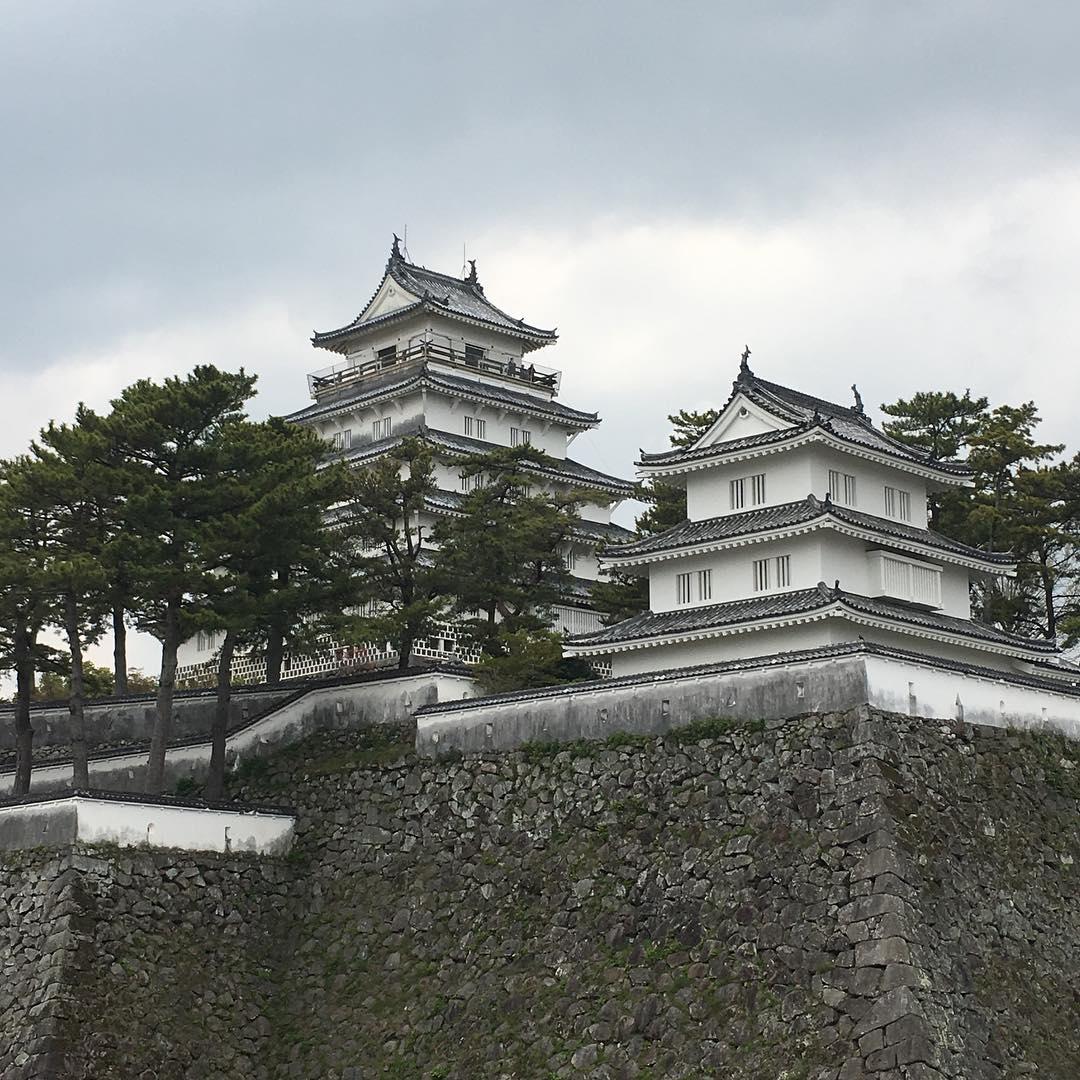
x=471, y=276
x=858, y=400
x=745, y=373
x=395, y=248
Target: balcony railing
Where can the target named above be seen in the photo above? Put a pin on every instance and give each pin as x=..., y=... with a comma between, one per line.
x=357, y=368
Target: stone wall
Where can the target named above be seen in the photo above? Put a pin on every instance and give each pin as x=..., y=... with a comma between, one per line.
x=833, y=896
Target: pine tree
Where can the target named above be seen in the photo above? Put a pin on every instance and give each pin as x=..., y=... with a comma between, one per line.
x=268, y=518
x=503, y=553
x=395, y=582
x=168, y=437
x=81, y=490
x=25, y=603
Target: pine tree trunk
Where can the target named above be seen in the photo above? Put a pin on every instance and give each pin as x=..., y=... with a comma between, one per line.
x=405, y=649
x=1048, y=600
x=24, y=690
x=275, y=651
x=119, y=650
x=80, y=769
x=170, y=643
x=215, y=781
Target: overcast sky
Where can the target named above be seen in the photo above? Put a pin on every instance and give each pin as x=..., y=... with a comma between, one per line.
x=886, y=194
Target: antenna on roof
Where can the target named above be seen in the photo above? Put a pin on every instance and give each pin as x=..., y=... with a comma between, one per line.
x=405, y=244
x=464, y=260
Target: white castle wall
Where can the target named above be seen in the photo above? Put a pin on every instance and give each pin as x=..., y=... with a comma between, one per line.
x=152, y=824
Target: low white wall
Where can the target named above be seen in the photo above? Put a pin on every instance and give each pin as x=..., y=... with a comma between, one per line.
x=132, y=823
x=342, y=706
x=921, y=690
x=775, y=688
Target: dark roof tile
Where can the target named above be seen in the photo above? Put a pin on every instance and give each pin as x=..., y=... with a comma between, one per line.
x=652, y=624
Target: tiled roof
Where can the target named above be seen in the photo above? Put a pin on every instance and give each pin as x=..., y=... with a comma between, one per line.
x=597, y=532
x=457, y=297
x=652, y=624
x=770, y=518
x=562, y=469
x=423, y=375
x=806, y=413
x=565, y=469
x=756, y=663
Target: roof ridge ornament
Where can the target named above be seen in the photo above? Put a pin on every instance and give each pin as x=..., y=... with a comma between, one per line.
x=471, y=277
x=859, y=410
x=745, y=374
x=395, y=250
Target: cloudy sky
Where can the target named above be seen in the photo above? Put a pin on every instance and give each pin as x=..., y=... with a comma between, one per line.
x=864, y=192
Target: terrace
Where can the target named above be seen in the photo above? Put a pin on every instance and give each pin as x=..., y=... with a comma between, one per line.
x=471, y=358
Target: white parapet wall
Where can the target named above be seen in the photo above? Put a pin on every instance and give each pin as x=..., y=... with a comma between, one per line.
x=105, y=818
x=342, y=705
x=921, y=689
x=829, y=679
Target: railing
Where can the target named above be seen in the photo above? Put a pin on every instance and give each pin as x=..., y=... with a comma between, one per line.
x=357, y=368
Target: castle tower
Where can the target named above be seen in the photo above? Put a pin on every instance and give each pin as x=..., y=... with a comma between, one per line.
x=806, y=531
x=430, y=356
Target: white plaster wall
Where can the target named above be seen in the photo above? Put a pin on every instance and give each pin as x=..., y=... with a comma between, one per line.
x=146, y=824
x=733, y=573
x=187, y=828
x=904, y=687
x=601, y=512
x=787, y=479
x=733, y=647
x=871, y=480
x=390, y=699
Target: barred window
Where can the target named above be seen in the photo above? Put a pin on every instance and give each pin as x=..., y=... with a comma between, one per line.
x=520, y=437
x=783, y=571
x=704, y=584
x=898, y=503
x=757, y=489
x=738, y=494
x=761, y=575
x=381, y=429
x=842, y=487
x=682, y=588
x=476, y=427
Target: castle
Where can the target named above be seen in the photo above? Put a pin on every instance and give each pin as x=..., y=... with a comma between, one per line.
x=431, y=357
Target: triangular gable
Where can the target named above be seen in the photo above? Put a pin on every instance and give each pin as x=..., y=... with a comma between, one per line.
x=740, y=418
x=389, y=298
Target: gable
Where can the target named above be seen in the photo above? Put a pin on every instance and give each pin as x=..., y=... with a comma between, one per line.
x=390, y=297
x=741, y=418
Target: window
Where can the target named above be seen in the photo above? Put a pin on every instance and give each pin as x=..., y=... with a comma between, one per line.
x=682, y=588
x=783, y=571
x=569, y=558
x=905, y=579
x=473, y=355
x=471, y=483
x=206, y=640
x=842, y=487
x=520, y=436
x=757, y=491
x=704, y=584
x=380, y=429
x=761, y=575
x=898, y=503
x=387, y=355
x=475, y=427
x=341, y=440
x=772, y=573
x=520, y=491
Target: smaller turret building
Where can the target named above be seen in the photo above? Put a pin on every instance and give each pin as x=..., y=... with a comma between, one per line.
x=807, y=532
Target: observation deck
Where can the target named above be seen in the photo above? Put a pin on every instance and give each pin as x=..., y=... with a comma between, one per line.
x=360, y=367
